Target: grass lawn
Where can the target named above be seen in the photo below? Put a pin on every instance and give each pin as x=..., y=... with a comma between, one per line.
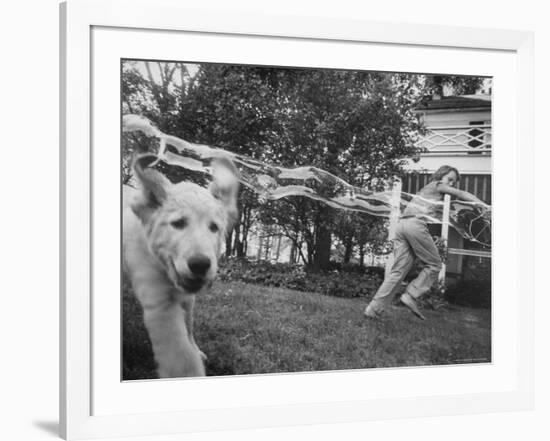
x=250, y=329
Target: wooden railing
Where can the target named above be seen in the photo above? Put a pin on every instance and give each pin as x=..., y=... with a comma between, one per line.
x=470, y=139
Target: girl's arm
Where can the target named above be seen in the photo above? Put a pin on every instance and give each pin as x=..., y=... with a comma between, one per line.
x=460, y=194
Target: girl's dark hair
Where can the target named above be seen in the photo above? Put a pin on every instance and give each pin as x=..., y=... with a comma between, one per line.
x=443, y=170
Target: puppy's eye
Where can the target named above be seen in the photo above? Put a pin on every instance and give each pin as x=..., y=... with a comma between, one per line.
x=179, y=224
x=214, y=227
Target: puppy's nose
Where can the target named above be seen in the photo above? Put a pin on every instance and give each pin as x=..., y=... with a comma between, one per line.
x=199, y=264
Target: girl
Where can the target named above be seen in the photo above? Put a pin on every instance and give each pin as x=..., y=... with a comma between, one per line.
x=412, y=239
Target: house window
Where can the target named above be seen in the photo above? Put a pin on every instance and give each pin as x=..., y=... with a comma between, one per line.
x=475, y=137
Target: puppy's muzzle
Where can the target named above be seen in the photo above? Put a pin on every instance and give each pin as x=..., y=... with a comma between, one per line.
x=199, y=265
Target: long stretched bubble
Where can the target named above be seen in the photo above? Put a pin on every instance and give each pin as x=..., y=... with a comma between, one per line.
x=272, y=182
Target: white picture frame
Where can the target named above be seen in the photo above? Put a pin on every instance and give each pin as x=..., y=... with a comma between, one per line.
x=78, y=416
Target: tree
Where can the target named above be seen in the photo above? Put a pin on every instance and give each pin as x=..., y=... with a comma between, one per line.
x=444, y=85
x=359, y=126
x=356, y=125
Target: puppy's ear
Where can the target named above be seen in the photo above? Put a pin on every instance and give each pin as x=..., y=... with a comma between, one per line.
x=154, y=187
x=225, y=187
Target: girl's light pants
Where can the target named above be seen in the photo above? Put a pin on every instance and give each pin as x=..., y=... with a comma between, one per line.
x=412, y=239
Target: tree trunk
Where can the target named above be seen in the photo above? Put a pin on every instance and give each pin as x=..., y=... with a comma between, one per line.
x=310, y=253
x=242, y=247
x=228, y=244
x=322, y=249
x=323, y=239
x=238, y=244
x=349, y=249
x=278, y=253
x=245, y=246
x=361, y=254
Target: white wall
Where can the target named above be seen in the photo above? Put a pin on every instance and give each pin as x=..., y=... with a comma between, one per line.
x=28, y=327
x=455, y=118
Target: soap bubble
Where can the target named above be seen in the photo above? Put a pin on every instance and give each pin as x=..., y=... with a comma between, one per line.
x=270, y=182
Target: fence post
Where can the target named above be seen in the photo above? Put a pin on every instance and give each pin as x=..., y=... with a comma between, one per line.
x=444, y=236
x=394, y=217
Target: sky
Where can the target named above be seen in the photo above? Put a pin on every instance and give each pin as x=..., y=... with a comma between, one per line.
x=140, y=66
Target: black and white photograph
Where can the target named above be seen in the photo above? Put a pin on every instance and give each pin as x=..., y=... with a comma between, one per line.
x=278, y=219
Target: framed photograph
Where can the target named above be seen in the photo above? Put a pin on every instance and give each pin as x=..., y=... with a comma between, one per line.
x=257, y=210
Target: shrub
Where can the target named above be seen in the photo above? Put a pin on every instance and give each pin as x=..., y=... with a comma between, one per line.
x=347, y=281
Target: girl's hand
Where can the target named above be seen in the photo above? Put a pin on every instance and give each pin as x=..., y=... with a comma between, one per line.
x=483, y=206
x=485, y=211
x=438, y=240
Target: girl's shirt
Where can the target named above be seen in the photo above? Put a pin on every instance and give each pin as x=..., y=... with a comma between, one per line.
x=421, y=204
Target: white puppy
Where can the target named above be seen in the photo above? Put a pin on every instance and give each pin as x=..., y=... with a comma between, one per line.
x=172, y=238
